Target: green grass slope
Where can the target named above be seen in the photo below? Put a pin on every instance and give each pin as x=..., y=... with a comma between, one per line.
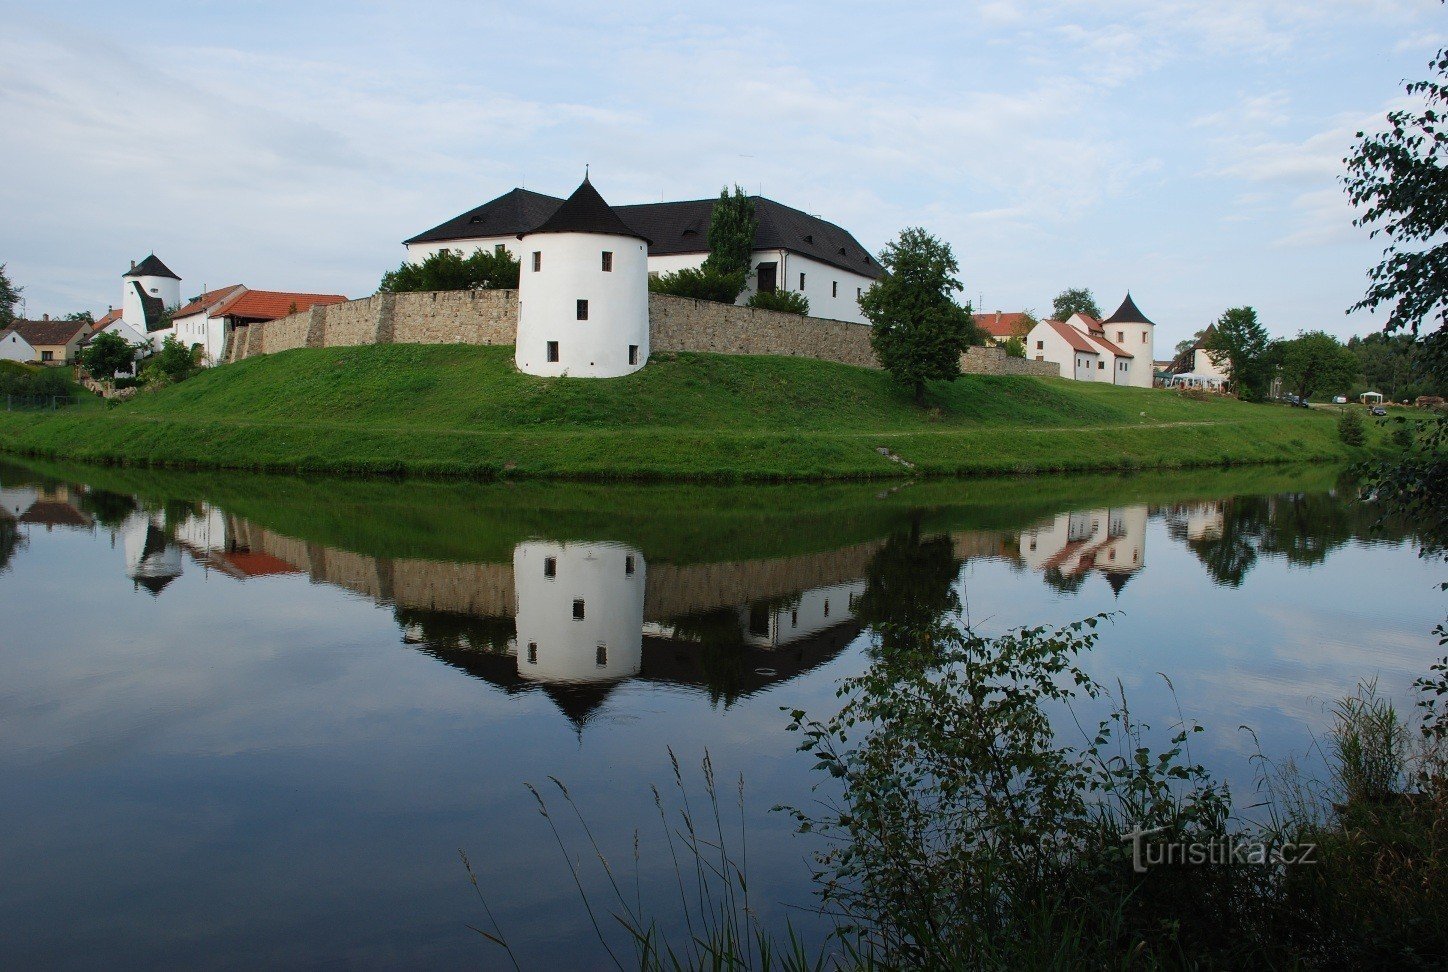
x=455, y=410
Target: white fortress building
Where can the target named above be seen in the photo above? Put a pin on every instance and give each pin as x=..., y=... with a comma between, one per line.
x=580, y=612
x=148, y=290
x=583, y=292
x=793, y=250
x=1117, y=350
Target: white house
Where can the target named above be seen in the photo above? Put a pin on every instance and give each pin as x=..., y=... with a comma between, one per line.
x=14, y=347
x=1198, y=366
x=112, y=322
x=583, y=292
x=793, y=250
x=1117, y=350
x=208, y=320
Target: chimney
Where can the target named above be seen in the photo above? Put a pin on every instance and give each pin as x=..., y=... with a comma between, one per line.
x=45, y=317
x=998, y=317
x=133, y=264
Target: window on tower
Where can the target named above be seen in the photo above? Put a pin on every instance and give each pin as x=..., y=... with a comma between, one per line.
x=801, y=281
x=834, y=288
x=578, y=610
x=583, y=310
x=600, y=656
x=633, y=354
x=552, y=350
x=607, y=261
x=537, y=260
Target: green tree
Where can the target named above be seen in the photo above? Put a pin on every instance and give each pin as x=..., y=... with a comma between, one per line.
x=698, y=283
x=1315, y=362
x=9, y=297
x=732, y=225
x=174, y=362
x=789, y=301
x=106, y=354
x=81, y=316
x=450, y=270
x=1241, y=340
x=1397, y=179
x=1350, y=427
x=1014, y=347
x=919, y=330
x=1075, y=300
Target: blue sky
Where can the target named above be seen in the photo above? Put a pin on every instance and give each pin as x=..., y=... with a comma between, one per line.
x=1188, y=151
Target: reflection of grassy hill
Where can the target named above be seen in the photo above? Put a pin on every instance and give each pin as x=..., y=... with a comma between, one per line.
x=674, y=523
x=465, y=410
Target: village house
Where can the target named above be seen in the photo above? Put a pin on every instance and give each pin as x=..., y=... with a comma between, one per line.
x=1196, y=367
x=999, y=327
x=793, y=250
x=1117, y=350
x=51, y=342
x=208, y=320
x=13, y=347
x=113, y=323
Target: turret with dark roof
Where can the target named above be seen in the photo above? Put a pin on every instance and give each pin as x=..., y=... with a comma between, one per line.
x=1127, y=313
x=150, y=267
x=586, y=212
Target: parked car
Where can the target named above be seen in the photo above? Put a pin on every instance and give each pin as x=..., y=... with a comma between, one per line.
x=1339, y=399
x=1379, y=410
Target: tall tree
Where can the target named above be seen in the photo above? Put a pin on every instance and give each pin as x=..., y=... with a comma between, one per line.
x=106, y=354
x=919, y=330
x=1398, y=180
x=1242, y=341
x=1075, y=300
x=9, y=297
x=731, y=233
x=1316, y=361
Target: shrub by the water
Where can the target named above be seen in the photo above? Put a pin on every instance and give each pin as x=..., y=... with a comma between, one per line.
x=789, y=301
x=1350, y=428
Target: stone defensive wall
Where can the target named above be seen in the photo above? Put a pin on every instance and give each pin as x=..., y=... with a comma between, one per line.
x=675, y=324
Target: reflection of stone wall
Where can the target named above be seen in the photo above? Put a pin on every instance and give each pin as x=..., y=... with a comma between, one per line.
x=675, y=324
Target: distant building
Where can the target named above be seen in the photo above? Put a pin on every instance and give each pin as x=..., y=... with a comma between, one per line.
x=793, y=250
x=51, y=342
x=14, y=347
x=1117, y=350
x=208, y=320
x=148, y=290
x=1000, y=327
x=1198, y=366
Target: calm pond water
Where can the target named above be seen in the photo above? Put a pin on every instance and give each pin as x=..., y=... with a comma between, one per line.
x=252, y=720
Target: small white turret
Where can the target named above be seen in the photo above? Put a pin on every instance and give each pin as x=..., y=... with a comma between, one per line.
x=583, y=293
x=1136, y=335
x=148, y=289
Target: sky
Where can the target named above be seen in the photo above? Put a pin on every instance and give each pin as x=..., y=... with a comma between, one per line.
x=1188, y=151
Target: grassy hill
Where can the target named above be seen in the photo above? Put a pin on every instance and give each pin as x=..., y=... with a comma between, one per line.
x=454, y=410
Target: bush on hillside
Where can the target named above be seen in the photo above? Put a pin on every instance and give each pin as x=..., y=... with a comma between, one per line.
x=789, y=301
x=699, y=283
x=450, y=270
x=174, y=362
x=1014, y=347
x=29, y=380
x=1350, y=427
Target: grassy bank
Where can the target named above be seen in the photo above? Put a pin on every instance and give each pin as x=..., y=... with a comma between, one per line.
x=449, y=410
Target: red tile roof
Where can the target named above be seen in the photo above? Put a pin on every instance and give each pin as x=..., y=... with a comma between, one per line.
x=1003, y=325
x=252, y=564
x=1073, y=337
x=268, y=305
x=206, y=300
x=49, y=333
x=111, y=316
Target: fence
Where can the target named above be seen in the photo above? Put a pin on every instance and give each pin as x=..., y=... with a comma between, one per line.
x=36, y=403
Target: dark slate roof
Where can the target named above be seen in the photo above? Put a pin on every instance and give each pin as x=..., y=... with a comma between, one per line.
x=48, y=333
x=510, y=214
x=670, y=228
x=153, y=307
x=1127, y=313
x=150, y=267
x=586, y=212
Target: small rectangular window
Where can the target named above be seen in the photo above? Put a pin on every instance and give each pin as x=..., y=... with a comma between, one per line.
x=834, y=288
x=499, y=248
x=801, y=281
x=628, y=565
x=1120, y=336
x=633, y=354
x=552, y=350
x=600, y=657
x=827, y=608
x=583, y=310
x=578, y=610
x=532, y=652
x=759, y=618
x=607, y=261
x=537, y=260
x=550, y=567
x=1040, y=357
x=1101, y=366
x=794, y=618
x=1040, y=345
x=47, y=356
x=858, y=293
x=1144, y=338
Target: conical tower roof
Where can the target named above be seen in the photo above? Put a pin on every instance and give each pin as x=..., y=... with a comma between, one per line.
x=1127, y=313
x=150, y=267
x=585, y=212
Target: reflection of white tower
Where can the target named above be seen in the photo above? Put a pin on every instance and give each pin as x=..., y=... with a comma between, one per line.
x=1125, y=552
x=148, y=288
x=1112, y=541
x=150, y=561
x=1205, y=520
x=583, y=293
x=204, y=531
x=580, y=611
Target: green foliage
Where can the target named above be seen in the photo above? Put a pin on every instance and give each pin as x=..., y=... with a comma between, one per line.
x=1316, y=362
x=699, y=283
x=9, y=297
x=450, y=270
x=789, y=301
x=173, y=363
x=919, y=330
x=1395, y=365
x=1014, y=347
x=29, y=380
x=732, y=225
x=1075, y=300
x=107, y=353
x=80, y=316
x=1242, y=342
x=1350, y=428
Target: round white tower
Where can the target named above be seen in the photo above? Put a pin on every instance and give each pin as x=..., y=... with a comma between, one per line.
x=148, y=289
x=583, y=293
x=1136, y=335
x=580, y=611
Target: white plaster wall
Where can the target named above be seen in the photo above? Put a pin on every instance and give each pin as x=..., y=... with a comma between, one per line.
x=16, y=348
x=1052, y=347
x=817, y=609
x=1139, y=340
x=555, y=646
x=1126, y=549
x=1204, y=364
x=203, y=532
x=15, y=500
x=618, y=305
x=418, y=252
x=167, y=288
